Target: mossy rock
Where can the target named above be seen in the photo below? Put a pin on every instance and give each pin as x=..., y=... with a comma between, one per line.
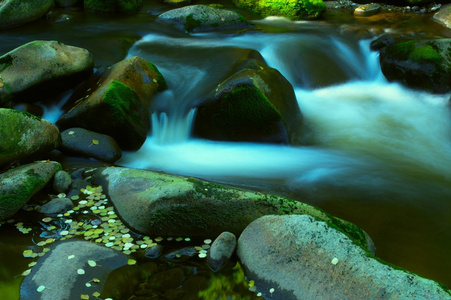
x=113, y=6
x=423, y=64
x=122, y=96
x=167, y=205
x=293, y=9
x=18, y=185
x=18, y=12
x=25, y=136
x=203, y=18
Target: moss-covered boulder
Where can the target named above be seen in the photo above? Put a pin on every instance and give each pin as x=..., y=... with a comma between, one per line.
x=68, y=3
x=113, y=6
x=24, y=136
x=49, y=66
x=255, y=104
x=57, y=271
x=424, y=64
x=167, y=205
x=18, y=12
x=18, y=185
x=122, y=97
x=293, y=9
x=302, y=257
x=203, y=18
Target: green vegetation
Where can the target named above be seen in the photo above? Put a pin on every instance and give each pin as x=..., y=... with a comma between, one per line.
x=101, y=6
x=6, y=61
x=120, y=98
x=129, y=6
x=162, y=85
x=191, y=23
x=291, y=9
x=416, y=51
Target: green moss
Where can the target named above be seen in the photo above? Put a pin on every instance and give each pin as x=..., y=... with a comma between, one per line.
x=416, y=51
x=101, y=6
x=191, y=23
x=162, y=85
x=129, y=6
x=245, y=108
x=292, y=9
x=26, y=114
x=6, y=61
x=120, y=99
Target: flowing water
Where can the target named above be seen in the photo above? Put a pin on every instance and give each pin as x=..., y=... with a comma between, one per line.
x=373, y=152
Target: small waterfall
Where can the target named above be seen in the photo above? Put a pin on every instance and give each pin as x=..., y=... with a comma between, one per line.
x=172, y=129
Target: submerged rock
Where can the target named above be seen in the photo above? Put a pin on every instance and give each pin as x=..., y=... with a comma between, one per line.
x=50, y=67
x=255, y=104
x=301, y=257
x=18, y=12
x=79, y=141
x=58, y=271
x=158, y=204
x=203, y=18
x=121, y=97
x=56, y=206
x=24, y=136
x=294, y=10
x=18, y=185
x=113, y=6
x=423, y=64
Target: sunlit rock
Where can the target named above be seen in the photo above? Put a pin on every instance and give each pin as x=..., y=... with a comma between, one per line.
x=367, y=10
x=18, y=12
x=82, y=142
x=50, y=67
x=443, y=16
x=167, y=205
x=117, y=103
x=24, y=136
x=294, y=10
x=18, y=185
x=300, y=257
x=57, y=275
x=424, y=64
x=203, y=18
x=255, y=104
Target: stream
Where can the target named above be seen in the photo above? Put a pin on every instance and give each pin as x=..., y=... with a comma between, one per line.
x=373, y=152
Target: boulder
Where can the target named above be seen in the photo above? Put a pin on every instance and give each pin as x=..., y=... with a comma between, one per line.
x=18, y=185
x=82, y=142
x=203, y=18
x=158, y=204
x=443, y=16
x=18, y=12
x=24, y=136
x=67, y=3
x=122, y=97
x=113, y=6
x=255, y=104
x=367, y=10
x=293, y=10
x=56, y=206
x=61, y=182
x=301, y=257
x=50, y=67
x=57, y=271
x=422, y=64
x=221, y=251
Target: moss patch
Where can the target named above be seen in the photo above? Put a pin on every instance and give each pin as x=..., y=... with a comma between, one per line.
x=416, y=51
x=292, y=9
x=162, y=85
x=191, y=23
x=120, y=99
x=6, y=61
x=129, y=6
x=101, y=6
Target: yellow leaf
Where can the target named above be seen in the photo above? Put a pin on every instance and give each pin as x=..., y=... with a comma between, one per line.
x=95, y=142
x=84, y=297
x=131, y=261
x=96, y=280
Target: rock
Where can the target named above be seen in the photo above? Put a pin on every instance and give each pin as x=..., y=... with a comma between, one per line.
x=293, y=10
x=122, y=97
x=77, y=185
x=203, y=18
x=382, y=42
x=154, y=251
x=177, y=2
x=122, y=283
x=423, y=64
x=443, y=16
x=158, y=204
x=23, y=136
x=58, y=274
x=61, y=182
x=67, y=3
x=221, y=251
x=18, y=12
x=18, y=185
x=255, y=104
x=300, y=257
x=57, y=206
x=113, y=6
x=79, y=141
x=367, y=10
x=50, y=67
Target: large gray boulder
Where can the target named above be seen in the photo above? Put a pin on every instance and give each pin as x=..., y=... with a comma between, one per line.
x=17, y=12
x=422, y=64
x=23, y=135
x=122, y=97
x=50, y=67
x=203, y=18
x=18, y=185
x=57, y=271
x=301, y=257
x=158, y=204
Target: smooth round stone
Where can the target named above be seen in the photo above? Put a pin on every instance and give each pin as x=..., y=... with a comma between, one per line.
x=367, y=10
